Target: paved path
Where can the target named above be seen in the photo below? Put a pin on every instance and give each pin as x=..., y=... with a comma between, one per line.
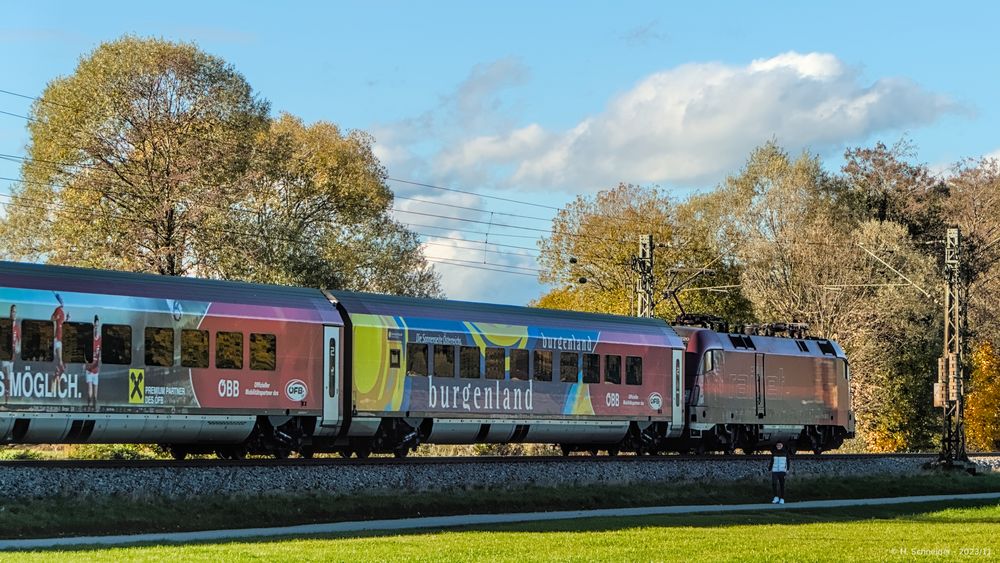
x=467, y=520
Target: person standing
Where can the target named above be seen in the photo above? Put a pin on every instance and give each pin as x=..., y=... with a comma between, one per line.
x=779, y=468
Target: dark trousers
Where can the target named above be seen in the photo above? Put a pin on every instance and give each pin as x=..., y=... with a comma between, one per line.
x=778, y=483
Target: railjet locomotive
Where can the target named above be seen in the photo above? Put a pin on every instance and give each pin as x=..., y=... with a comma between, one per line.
x=203, y=366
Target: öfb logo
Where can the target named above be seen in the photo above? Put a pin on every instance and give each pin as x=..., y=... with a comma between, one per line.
x=655, y=401
x=296, y=390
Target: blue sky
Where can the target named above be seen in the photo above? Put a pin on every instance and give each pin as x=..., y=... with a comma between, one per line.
x=540, y=101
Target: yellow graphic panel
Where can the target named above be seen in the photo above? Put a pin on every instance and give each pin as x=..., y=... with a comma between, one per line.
x=498, y=335
x=378, y=382
x=581, y=400
x=137, y=386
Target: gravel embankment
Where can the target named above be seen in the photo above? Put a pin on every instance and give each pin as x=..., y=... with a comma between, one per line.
x=187, y=482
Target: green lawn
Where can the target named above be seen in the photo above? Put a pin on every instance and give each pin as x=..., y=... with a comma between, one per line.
x=861, y=533
x=115, y=515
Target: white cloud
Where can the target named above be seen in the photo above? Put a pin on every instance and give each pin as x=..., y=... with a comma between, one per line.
x=690, y=124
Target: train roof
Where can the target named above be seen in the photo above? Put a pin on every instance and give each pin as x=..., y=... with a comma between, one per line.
x=703, y=339
x=377, y=304
x=111, y=282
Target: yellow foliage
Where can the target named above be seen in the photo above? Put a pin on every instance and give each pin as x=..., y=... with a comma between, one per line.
x=982, y=407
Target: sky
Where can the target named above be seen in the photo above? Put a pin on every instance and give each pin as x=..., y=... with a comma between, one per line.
x=527, y=105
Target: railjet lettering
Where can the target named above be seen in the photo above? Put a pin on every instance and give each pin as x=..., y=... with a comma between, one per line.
x=570, y=344
x=39, y=385
x=469, y=398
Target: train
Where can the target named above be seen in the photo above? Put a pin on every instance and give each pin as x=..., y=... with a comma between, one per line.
x=209, y=366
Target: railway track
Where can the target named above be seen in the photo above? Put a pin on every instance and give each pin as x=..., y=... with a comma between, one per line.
x=392, y=461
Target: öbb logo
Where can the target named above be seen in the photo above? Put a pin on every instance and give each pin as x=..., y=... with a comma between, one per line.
x=655, y=401
x=296, y=390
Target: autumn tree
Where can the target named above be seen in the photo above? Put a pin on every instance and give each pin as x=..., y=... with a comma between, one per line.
x=596, y=237
x=982, y=407
x=809, y=254
x=885, y=185
x=974, y=206
x=130, y=156
x=156, y=157
x=319, y=204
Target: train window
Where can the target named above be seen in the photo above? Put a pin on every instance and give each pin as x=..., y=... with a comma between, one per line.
x=569, y=367
x=591, y=368
x=543, y=365
x=194, y=348
x=263, y=351
x=159, y=346
x=712, y=361
x=6, y=339
x=229, y=350
x=802, y=345
x=444, y=361
x=468, y=362
x=116, y=344
x=841, y=369
x=495, y=360
x=394, y=360
x=633, y=370
x=612, y=369
x=37, y=337
x=826, y=348
x=78, y=343
x=416, y=359
x=519, y=364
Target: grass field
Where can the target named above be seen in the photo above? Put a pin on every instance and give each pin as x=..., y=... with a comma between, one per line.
x=116, y=515
x=959, y=531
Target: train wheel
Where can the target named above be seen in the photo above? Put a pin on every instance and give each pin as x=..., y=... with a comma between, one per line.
x=281, y=454
x=401, y=452
x=178, y=453
x=566, y=450
x=306, y=453
x=594, y=451
x=612, y=452
x=362, y=453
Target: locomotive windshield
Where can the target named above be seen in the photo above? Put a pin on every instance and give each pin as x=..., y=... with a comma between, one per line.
x=712, y=361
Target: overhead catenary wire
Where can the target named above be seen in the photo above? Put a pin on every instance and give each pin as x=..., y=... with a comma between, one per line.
x=247, y=211
x=56, y=165
x=92, y=213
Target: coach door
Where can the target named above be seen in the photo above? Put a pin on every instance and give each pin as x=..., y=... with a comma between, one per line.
x=331, y=376
x=758, y=375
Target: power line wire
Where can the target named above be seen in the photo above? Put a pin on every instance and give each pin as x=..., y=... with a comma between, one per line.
x=479, y=209
x=54, y=164
x=486, y=268
x=93, y=214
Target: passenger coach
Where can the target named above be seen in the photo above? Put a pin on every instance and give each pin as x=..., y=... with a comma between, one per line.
x=235, y=368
